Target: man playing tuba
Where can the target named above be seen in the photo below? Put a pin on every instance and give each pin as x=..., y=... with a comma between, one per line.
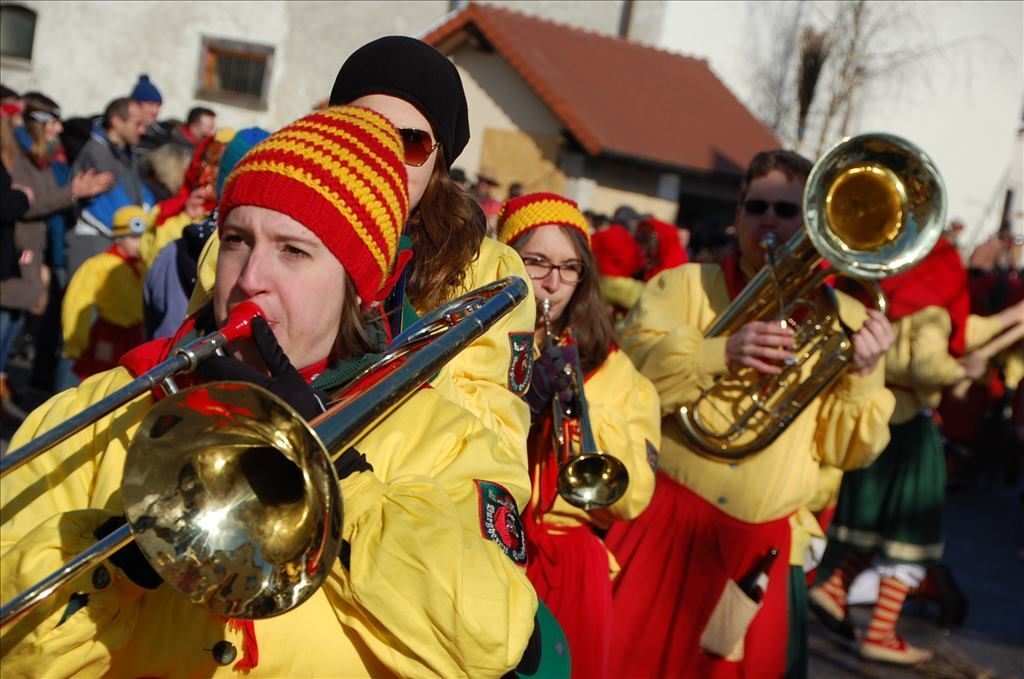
x=712, y=522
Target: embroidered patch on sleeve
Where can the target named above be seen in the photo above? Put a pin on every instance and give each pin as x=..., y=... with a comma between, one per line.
x=652, y=455
x=521, y=364
x=499, y=520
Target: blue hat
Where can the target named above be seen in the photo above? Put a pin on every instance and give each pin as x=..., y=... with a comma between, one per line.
x=146, y=91
x=236, y=148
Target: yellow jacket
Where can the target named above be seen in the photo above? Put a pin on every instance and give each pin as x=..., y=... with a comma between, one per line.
x=156, y=237
x=425, y=594
x=480, y=377
x=847, y=427
x=107, y=283
x=625, y=419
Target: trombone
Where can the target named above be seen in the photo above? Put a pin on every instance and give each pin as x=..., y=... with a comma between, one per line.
x=590, y=478
x=233, y=498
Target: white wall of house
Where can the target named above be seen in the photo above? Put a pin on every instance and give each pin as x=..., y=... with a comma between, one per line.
x=963, y=107
x=87, y=53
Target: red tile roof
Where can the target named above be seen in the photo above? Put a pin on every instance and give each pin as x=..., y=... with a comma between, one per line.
x=620, y=97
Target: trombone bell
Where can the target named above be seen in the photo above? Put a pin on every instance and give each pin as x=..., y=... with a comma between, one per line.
x=864, y=207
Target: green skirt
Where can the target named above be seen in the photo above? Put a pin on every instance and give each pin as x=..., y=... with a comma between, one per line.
x=895, y=505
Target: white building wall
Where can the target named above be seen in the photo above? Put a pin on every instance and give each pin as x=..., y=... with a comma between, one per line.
x=87, y=53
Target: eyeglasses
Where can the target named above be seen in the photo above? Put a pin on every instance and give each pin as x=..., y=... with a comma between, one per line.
x=570, y=273
x=418, y=145
x=782, y=208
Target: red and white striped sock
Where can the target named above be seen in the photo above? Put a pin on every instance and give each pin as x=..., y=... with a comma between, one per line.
x=838, y=584
x=882, y=628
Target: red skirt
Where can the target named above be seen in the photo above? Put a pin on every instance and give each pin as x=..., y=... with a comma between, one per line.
x=107, y=344
x=569, y=569
x=676, y=559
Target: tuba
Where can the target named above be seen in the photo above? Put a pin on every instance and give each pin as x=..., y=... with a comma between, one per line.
x=233, y=497
x=873, y=205
x=588, y=478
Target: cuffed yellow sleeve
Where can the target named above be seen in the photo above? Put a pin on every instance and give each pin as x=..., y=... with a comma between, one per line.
x=625, y=417
x=664, y=337
x=425, y=591
x=481, y=378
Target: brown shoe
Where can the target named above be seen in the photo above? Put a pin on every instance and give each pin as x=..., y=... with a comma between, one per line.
x=830, y=613
x=895, y=651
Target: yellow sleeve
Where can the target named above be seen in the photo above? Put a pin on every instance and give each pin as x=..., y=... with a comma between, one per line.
x=76, y=313
x=919, y=357
x=621, y=291
x=50, y=507
x=664, y=332
x=482, y=378
x=625, y=417
x=853, y=422
x=155, y=238
x=425, y=591
x=83, y=471
x=83, y=644
x=981, y=329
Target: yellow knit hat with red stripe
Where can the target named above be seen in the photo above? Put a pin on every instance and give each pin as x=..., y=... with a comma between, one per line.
x=339, y=172
x=519, y=215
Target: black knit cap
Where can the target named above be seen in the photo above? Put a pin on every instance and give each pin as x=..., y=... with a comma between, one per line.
x=414, y=71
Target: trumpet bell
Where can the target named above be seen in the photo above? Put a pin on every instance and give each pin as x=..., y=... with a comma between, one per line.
x=233, y=500
x=593, y=481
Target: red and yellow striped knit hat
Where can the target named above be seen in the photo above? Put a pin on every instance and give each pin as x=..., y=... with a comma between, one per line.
x=519, y=215
x=339, y=172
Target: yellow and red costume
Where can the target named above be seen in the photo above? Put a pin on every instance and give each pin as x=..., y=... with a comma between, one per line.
x=101, y=315
x=710, y=521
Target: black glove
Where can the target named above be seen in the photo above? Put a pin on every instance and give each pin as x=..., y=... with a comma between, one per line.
x=552, y=376
x=284, y=381
x=129, y=558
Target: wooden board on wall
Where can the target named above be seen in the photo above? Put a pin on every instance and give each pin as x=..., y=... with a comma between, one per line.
x=517, y=156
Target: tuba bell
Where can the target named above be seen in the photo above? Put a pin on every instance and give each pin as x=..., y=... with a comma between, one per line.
x=873, y=205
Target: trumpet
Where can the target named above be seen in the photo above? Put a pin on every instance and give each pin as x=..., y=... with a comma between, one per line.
x=233, y=497
x=590, y=478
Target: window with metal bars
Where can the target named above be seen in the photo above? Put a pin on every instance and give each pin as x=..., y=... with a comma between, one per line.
x=235, y=72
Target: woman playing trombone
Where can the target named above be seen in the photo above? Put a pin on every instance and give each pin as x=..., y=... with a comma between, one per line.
x=309, y=225
x=569, y=564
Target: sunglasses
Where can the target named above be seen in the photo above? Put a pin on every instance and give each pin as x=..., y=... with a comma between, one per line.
x=783, y=208
x=418, y=145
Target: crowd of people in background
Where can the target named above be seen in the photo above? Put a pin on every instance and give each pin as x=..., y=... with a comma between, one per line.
x=107, y=220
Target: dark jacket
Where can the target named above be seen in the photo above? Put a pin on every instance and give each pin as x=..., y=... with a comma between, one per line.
x=13, y=205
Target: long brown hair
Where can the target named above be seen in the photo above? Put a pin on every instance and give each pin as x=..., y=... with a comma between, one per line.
x=357, y=329
x=40, y=149
x=585, y=314
x=446, y=231
x=8, y=142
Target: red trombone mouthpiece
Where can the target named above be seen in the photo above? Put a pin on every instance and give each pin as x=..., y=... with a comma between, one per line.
x=239, y=322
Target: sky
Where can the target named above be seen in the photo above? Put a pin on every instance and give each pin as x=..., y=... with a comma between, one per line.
x=962, y=104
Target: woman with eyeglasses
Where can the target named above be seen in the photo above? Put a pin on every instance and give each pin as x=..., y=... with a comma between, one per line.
x=442, y=252
x=569, y=565
x=712, y=522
